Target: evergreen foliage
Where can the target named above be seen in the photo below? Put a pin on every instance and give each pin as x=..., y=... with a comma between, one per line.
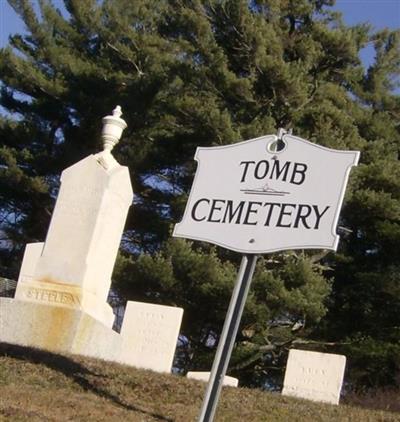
x=190, y=73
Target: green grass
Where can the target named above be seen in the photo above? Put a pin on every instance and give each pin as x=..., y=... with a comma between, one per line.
x=41, y=386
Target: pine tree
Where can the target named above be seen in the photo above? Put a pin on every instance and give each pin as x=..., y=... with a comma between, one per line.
x=193, y=73
x=366, y=306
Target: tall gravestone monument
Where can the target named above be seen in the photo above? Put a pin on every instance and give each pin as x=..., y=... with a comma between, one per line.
x=61, y=298
x=60, y=301
x=74, y=265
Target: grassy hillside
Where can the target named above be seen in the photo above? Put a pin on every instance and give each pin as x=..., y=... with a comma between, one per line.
x=40, y=386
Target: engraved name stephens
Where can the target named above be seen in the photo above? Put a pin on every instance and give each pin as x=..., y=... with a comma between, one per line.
x=263, y=213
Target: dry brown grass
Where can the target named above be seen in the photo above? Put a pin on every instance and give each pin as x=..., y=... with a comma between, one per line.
x=41, y=386
x=382, y=399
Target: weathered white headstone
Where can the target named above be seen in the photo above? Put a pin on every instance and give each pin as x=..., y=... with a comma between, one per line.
x=314, y=376
x=204, y=376
x=31, y=256
x=60, y=301
x=83, y=239
x=57, y=329
x=150, y=333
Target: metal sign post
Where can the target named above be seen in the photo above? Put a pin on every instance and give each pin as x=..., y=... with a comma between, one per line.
x=228, y=337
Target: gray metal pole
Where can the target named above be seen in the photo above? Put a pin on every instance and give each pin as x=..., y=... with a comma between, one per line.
x=228, y=337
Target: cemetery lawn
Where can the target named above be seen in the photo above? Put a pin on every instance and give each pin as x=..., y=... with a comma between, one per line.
x=41, y=386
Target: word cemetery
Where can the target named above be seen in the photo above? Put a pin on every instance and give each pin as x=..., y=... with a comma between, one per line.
x=255, y=213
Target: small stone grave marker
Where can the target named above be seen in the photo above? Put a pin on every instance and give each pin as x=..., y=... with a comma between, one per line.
x=314, y=376
x=204, y=376
x=150, y=333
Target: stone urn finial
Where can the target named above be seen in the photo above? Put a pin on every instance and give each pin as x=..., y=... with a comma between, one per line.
x=113, y=126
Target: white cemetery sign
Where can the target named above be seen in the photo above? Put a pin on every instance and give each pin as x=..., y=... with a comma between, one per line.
x=314, y=376
x=252, y=199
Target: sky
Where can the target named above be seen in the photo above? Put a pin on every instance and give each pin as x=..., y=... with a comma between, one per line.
x=379, y=13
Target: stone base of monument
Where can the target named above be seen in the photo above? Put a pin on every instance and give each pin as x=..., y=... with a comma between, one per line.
x=65, y=295
x=148, y=336
x=57, y=329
